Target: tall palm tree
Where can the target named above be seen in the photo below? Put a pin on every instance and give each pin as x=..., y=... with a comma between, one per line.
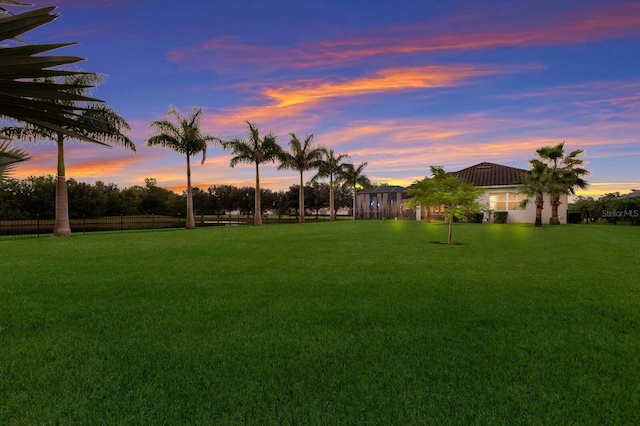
x=565, y=173
x=9, y=157
x=352, y=176
x=184, y=137
x=330, y=167
x=535, y=185
x=254, y=150
x=95, y=123
x=301, y=157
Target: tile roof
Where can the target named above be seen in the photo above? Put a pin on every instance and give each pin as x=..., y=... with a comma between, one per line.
x=383, y=189
x=490, y=174
x=632, y=194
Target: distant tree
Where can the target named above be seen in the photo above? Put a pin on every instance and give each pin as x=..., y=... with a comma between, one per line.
x=457, y=197
x=352, y=176
x=40, y=196
x=13, y=199
x=302, y=156
x=183, y=135
x=331, y=167
x=95, y=123
x=586, y=206
x=85, y=201
x=247, y=196
x=254, y=150
x=227, y=196
x=281, y=204
x=318, y=196
x=113, y=202
x=204, y=202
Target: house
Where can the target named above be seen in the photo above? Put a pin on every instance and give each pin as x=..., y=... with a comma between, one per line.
x=633, y=194
x=501, y=184
x=383, y=202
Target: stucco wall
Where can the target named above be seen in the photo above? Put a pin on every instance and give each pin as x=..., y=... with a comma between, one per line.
x=518, y=216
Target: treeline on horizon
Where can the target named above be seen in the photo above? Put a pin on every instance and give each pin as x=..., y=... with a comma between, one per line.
x=34, y=197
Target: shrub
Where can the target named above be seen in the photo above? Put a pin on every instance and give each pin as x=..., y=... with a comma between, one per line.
x=474, y=217
x=500, y=217
x=574, y=217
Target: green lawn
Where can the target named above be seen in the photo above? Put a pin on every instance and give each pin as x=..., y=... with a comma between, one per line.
x=327, y=323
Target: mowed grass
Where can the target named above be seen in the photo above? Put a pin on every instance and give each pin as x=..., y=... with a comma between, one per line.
x=329, y=323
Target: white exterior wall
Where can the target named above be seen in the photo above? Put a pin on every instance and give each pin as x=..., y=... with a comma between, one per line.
x=521, y=216
x=529, y=214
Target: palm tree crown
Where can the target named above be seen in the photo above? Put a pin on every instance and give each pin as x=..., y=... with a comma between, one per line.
x=255, y=150
x=352, y=176
x=29, y=89
x=564, y=173
x=301, y=157
x=535, y=184
x=182, y=135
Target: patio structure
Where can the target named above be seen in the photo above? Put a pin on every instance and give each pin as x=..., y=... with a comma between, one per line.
x=383, y=202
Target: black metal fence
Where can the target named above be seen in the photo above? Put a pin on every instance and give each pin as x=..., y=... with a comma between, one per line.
x=362, y=214
x=607, y=217
x=38, y=227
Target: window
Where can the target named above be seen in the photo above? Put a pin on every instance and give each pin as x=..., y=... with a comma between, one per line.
x=506, y=201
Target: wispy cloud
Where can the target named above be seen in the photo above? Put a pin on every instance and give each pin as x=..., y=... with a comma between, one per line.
x=384, y=81
x=298, y=101
x=584, y=25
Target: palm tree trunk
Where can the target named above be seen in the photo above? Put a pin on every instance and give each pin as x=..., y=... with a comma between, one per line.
x=62, y=227
x=301, y=199
x=332, y=210
x=257, y=215
x=354, y=202
x=539, y=206
x=449, y=241
x=555, y=201
x=191, y=223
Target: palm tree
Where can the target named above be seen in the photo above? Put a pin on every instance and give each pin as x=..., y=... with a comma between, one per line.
x=302, y=157
x=352, y=176
x=330, y=167
x=535, y=185
x=95, y=123
x=254, y=151
x=28, y=91
x=9, y=157
x=184, y=137
x=565, y=173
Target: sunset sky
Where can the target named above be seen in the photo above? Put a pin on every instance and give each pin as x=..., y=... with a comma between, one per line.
x=399, y=84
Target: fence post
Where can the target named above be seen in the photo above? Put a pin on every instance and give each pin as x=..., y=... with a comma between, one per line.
x=121, y=223
x=153, y=222
x=178, y=219
x=84, y=225
x=202, y=219
x=38, y=224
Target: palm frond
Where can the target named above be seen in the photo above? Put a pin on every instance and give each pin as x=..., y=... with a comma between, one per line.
x=9, y=157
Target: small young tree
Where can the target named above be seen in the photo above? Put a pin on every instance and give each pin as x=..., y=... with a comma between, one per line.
x=457, y=197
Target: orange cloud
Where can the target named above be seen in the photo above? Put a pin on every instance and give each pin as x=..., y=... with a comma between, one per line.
x=387, y=80
x=293, y=101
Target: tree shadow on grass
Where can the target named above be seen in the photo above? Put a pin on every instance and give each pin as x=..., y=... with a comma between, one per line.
x=446, y=243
